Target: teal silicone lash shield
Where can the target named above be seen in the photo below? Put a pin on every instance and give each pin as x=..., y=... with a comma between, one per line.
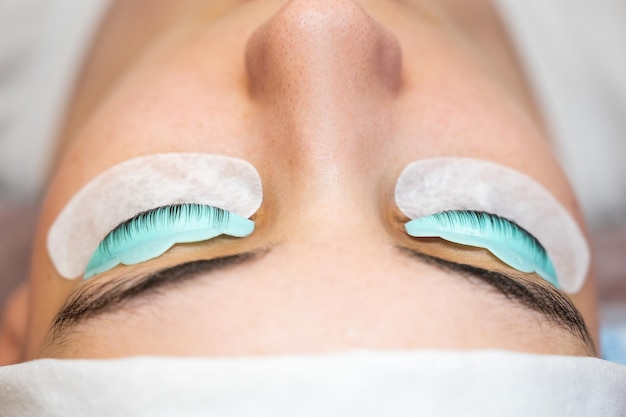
x=152, y=233
x=504, y=239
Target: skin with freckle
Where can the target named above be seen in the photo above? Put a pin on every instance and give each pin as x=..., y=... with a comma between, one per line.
x=329, y=101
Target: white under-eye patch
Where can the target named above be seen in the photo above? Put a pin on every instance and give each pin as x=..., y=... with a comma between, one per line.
x=435, y=185
x=142, y=184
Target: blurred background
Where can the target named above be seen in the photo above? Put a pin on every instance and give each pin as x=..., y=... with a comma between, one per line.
x=573, y=51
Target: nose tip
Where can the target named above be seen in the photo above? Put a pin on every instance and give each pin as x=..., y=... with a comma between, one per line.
x=314, y=39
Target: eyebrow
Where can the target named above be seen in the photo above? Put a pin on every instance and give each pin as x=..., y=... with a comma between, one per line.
x=111, y=296
x=542, y=298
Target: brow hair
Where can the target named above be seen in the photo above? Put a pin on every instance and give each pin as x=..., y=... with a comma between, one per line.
x=540, y=297
x=89, y=302
x=112, y=295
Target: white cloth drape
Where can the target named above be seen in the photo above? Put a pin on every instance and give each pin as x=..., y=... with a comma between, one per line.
x=354, y=383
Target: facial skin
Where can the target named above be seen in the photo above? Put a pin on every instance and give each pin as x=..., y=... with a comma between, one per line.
x=329, y=100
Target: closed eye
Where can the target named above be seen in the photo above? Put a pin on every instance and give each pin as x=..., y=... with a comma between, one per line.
x=503, y=238
x=150, y=234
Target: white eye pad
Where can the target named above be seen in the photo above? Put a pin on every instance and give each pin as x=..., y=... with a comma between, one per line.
x=142, y=184
x=435, y=185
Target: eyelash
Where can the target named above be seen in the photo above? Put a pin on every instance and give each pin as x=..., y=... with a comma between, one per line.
x=149, y=220
x=151, y=233
x=167, y=221
x=478, y=225
x=481, y=220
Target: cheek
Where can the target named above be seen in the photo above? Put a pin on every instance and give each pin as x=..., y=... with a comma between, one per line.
x=167, y=117
x=457, y=111
x=181, y=96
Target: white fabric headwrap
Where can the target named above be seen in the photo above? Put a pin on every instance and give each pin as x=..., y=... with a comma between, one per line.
x=354, y=383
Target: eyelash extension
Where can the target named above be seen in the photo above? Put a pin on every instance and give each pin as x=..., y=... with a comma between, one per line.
x=508, y=241
x=151, y=233
x=481, y=220
x=171, y=216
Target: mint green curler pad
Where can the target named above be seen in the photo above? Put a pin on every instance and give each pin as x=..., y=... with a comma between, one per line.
x=138, y=244
x=513, y=252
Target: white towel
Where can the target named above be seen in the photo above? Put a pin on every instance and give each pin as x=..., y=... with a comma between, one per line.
x=353, y=383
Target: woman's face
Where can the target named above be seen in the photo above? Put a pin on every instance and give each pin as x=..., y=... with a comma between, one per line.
x=329, y=100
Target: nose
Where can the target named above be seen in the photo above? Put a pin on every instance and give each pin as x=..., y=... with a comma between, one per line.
x=322, y=71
